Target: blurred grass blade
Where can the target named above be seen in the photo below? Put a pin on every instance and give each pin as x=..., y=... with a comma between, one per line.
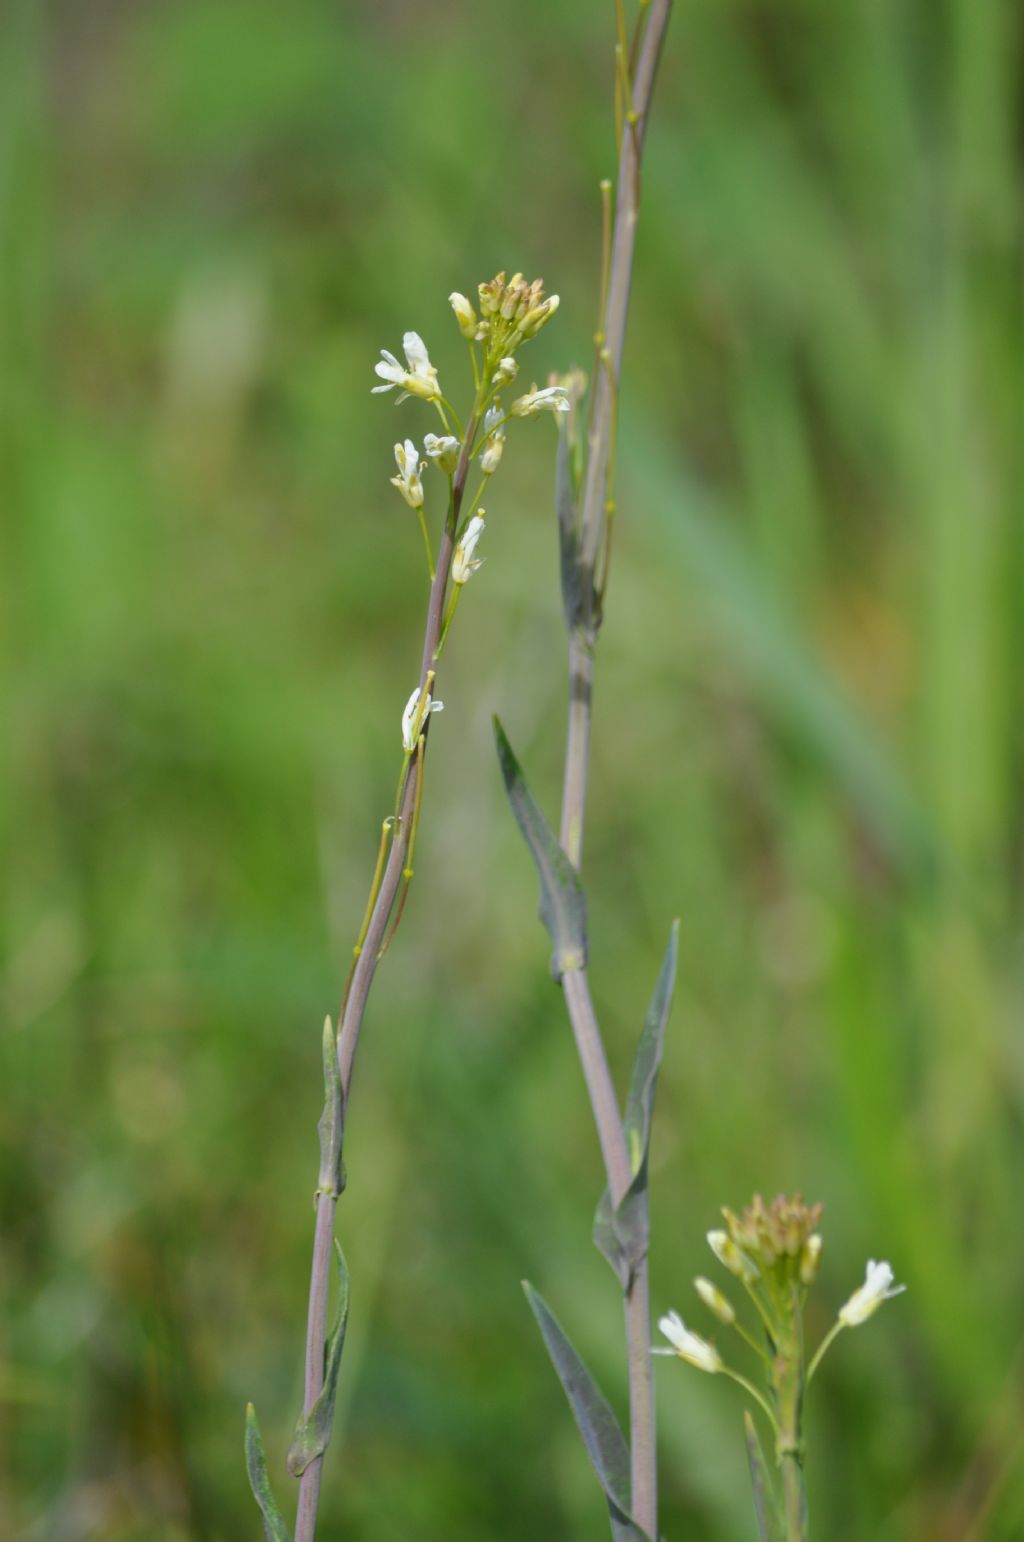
x=622, y=1234
x=563, y=907
x=769, y=1522
x=274, y=1528
x=313, y=1431
x=605, y=1443
x=785, y=667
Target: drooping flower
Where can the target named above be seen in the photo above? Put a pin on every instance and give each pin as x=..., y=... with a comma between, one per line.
x=414, y=717
x=878, y=1287
x=419, y=379
x=490, y=456
x=464, y=564
x=550, y=399
x=443, y=450
x=688, y=1346
x=408, y=479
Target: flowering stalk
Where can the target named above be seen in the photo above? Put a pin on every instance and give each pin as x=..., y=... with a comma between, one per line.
x=774, y=1251
x=587, y=543
x=511, y=313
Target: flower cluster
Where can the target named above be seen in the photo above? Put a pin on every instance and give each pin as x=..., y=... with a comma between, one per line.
x=509, y=313
x=774, y=1251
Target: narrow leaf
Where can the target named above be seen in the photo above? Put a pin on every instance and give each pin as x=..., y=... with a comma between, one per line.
x=640, y=1102
x=274, y=1528
x=769, y=1522
x=602, y=1436
x=607, y=1242
x=331, y=1127
x=622, y=1233
x=563, y=907
x=568, y=537
x=313, y=1431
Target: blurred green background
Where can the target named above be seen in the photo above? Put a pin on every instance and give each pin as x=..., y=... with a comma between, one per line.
x=808, y=744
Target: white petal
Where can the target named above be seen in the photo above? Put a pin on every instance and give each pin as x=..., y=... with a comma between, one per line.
x=416, y=352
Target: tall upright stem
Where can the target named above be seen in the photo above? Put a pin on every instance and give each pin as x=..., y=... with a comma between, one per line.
x=592, y=534
x=354, y=1006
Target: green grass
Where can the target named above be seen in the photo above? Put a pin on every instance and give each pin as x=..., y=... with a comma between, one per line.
x=808, y=744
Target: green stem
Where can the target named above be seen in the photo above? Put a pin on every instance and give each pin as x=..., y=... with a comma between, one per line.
x=426, y=542
x=833, y=1333
x=794, y=1498
x=751, y=1390
x=750, y=1339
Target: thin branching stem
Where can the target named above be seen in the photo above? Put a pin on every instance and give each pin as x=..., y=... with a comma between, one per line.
x=358, y=990
x=592, y=533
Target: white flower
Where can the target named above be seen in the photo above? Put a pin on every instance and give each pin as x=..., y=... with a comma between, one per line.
x=551, y=399
x=465, y=315
x=414, y=717
x=420, y=379
x=688, y=1346
x=714, y=1300
x=733, y=1257
x=492, y=450
x=506, y=371
x=408, y=479
x=443, y=450
x=464, y=564
x=878, y=1287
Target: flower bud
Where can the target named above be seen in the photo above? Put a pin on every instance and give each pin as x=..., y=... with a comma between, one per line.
x=810, y=1258
x=506, y=371
x=536, y=318
x=465, y=315
x=715, y=1302
x=734, y=1259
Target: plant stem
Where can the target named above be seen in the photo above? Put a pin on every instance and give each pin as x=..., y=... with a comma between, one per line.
x=582, y=641
x=354, y=1005
x=787, y=1379
x=794, y=1498
x=836, y=1328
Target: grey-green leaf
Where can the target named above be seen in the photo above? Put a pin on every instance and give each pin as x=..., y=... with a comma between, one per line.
x=573, y=579
x=331, y=1127
x=769, y=1522
x=607, y=1241
x=563, y=907
x=640, y=1101
x=274, y=1528
x=313, y=1431
x=622, y=1233
x=602, y=1436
